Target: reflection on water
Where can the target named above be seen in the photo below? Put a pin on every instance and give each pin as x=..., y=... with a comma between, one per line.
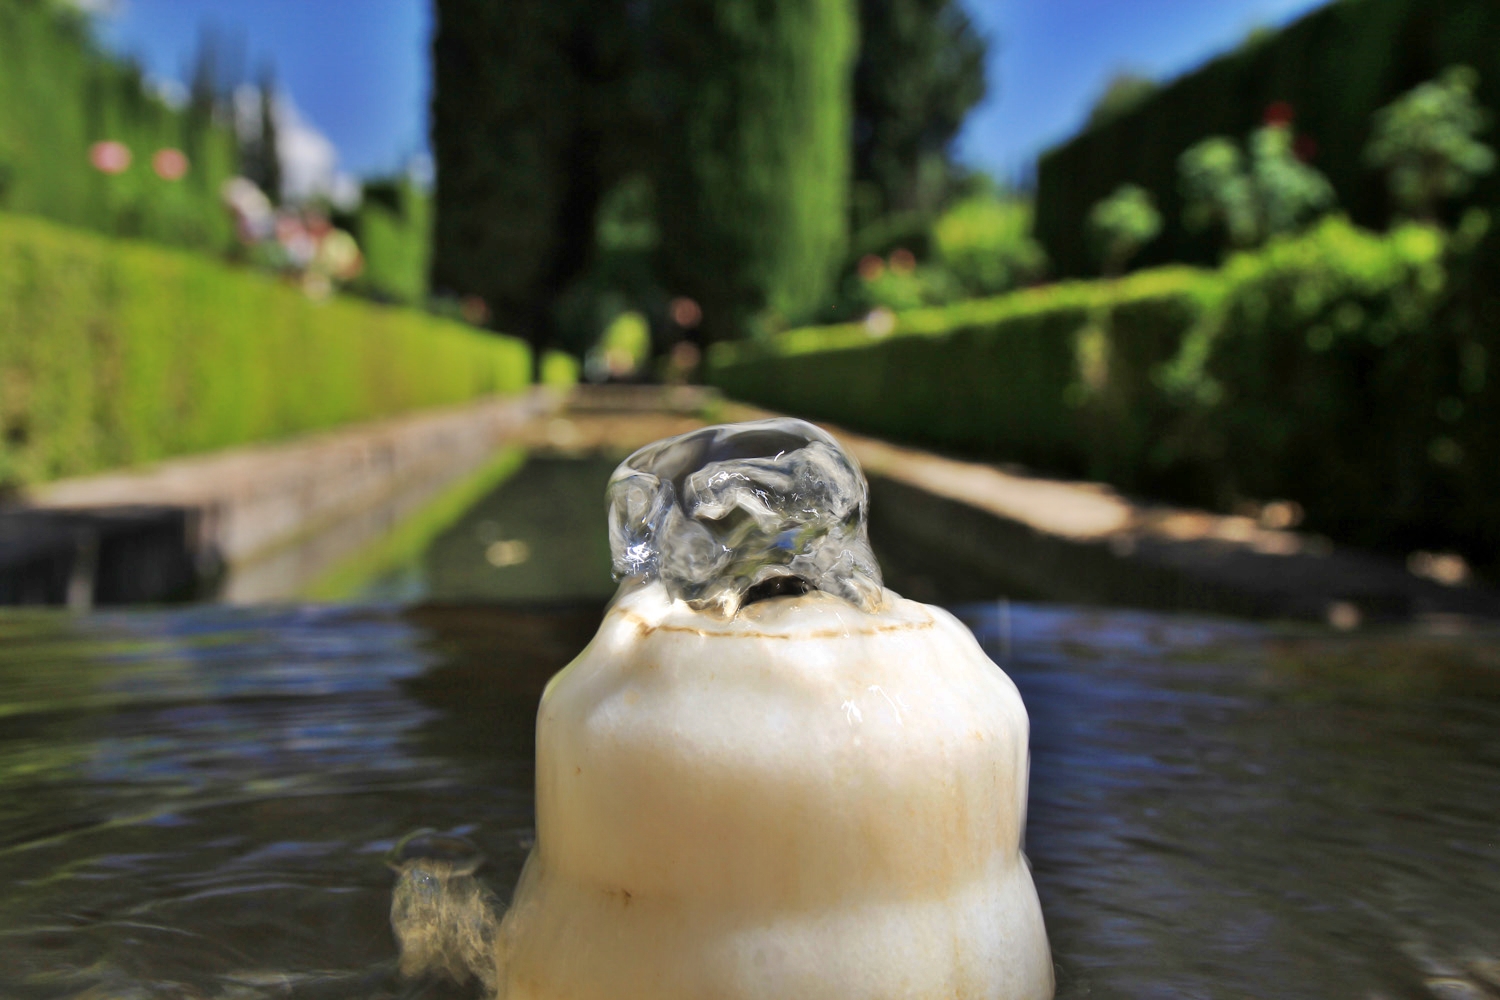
x=446, y=921
x=1220, y=812
x=201, y=802
x=540, y=536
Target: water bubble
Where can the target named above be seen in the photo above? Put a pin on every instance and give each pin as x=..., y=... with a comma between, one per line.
x=736, y=512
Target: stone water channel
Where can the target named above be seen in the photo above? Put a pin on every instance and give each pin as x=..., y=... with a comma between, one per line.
x=196, y=800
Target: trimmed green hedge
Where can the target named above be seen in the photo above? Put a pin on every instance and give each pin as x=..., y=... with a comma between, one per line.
x=1346, y=370
x=114, y=353
x=1001, y=376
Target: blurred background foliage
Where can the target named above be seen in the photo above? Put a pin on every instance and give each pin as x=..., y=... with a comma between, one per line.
x=393, y=225
x=1250, y=198
x=59, y=95
x=1348, y=370
x=1121, y=224
x=743, y=154
x=1323, y=77
x=1427, y=143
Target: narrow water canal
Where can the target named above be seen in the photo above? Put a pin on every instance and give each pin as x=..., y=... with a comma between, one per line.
x=196, y=802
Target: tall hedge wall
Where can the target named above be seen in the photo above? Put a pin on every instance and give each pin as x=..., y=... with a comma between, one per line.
x=1335, y=67
x=1349, y=371
x=114, y=352
x=58, y=95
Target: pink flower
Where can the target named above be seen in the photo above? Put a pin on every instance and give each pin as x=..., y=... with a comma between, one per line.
x=110, y=157
x=169, y=164
x=685, y=312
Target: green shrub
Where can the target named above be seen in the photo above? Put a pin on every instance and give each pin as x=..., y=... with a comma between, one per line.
x=114, y=353
x=898, y=287
x=394, y=229
x=559, y=370
x=1332, y=374
x=1332, y=69
x=985, y=243
x=1425, y=142
x=1123, y=223
x=622, y=350
x=1277, y=194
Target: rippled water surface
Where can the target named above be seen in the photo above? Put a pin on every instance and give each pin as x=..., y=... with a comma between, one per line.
x=197, y=802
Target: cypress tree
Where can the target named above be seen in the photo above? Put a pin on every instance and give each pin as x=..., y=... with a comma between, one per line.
x=269, y=165
x=738, y=111
x=920, y=70
x=752, y=182
x=259, y=160
x=526, y=101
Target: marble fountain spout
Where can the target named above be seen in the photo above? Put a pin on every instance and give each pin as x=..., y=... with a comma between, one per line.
x=767, y=776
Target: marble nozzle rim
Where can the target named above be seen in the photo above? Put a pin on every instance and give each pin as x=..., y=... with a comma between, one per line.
x=731, y=514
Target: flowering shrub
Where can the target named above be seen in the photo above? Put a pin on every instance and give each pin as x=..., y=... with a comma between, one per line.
x=1275, y=193
x=1425, y=142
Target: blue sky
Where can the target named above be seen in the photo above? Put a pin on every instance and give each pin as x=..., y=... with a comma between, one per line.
x=1050, y=59
x=357, y=69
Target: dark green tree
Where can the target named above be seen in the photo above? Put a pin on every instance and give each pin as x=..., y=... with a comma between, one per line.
x=203, y=91
x=753, y=182
x=920, y=70
x=1125, y=92
x=258, y=151
x=218, y=66
x=530, y=102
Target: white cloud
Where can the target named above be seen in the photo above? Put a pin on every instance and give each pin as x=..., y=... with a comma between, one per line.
x=170, y=92
x=246, y=103
x=97, y=8
x=421, y=169
x=346, y=191
x=309, y=161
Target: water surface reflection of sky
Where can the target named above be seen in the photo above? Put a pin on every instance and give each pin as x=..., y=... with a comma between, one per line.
x=196, y=802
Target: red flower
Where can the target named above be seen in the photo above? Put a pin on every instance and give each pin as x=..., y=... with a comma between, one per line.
x=1278, y=113
x=474, y=310
x=685, y=312
x=1305, y=148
